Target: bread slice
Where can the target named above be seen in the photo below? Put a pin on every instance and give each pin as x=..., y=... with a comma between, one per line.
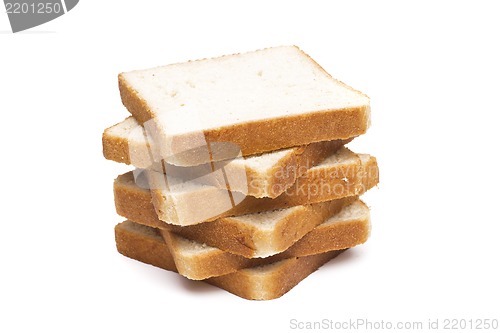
x=346, y=179
x=186, y=203
x=249, y=103
x=273, y=280
x=267, y=175
x=252, y=235
x=263, y=234
x=266, y=282
x=143, y=243
x=198, y=261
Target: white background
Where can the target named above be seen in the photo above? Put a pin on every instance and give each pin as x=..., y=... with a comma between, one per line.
x=432, y=72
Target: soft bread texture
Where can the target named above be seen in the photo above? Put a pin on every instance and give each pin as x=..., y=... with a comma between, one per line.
x=198, y=261
x=267, y=175
x=273, y=280
x=252, y=235
x=241, y=169
x=263, y=234
x=257, y=102
x=342, y=174
x=265, y=282
x=134, y=202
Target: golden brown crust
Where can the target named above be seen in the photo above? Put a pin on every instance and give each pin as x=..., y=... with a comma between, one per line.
x=216, y=262
x=115, y=149
x=370, y=178
x=317, y=185
x=338, y=236
x=144, y=247
x=237, y=238
x=276, y=281
x=224, y=233
x=133, y=102
x=135, y=204
x=201, y=266
x=286, y=173
x=299, y=130
x=296, y=226
x=282, y=176
x=273, y=134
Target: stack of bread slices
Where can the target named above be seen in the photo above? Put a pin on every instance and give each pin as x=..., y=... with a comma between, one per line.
x=242, y=178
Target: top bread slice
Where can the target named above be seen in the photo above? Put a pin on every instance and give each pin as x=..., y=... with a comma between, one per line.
x=242, y=104
x=267, y=175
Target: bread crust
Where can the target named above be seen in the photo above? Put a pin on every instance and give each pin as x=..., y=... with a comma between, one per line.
x=146, y=246
x=254, y=137
x=115, y=148
x=263, y=283
x=270, y=184
x=272, y=283
x=182, y=229
x=135, y=203
x=216, y=262
x=313, y=186
x=229, y=234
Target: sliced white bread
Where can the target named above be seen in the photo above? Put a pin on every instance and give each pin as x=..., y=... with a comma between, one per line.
x=198, y=261
x=249, y=103
x=342, y=174
x=267, y=175
x=265, y=282
x=271, y=281
x=251, y=235
x=263, y=234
